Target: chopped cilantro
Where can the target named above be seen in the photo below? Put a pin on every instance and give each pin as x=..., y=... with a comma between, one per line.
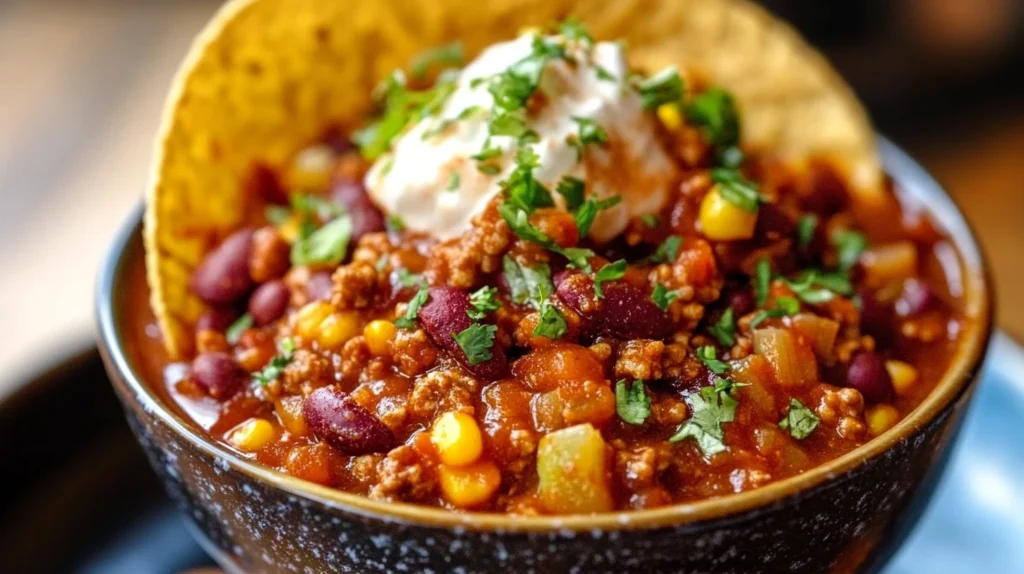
x=447, y=55
x=800, y=421
x=604, y=75
x=662, y=297
x=579, y=257
x=588, y=132
x=710, y=408
x=277, y=214
x=572, y=189
x=476, y=342
x=849, y=246
x=521, y=190
x=401, y=106
x=668, y=250
x=234, y=331
x=573, y=29
x=483, y=301
x=382, y=263
x=552, y=323
x=519, y=222
x=662, y=88
x=407, y=279
x=394, y=223
x=709, y=356
x=650, y=220
x=324, y=246
x=725, y=329
x=285, y=352
x=730, y=157
x=488, y=168
x=609, y=272
x=512, y=88
x=736, y=189
x=528, y=285
x=762, y=280
x=408, y=321
x=805, y=287
x=453, y=181
x=510, y=124
x=784, y=307
x=805, y=229
x=715, y=111
x=587, y=212
x=310, y=205
x=631, y=402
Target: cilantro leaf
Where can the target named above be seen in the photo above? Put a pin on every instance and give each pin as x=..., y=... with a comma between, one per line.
x=234, y=331
x=519, y=222
x=401, y=106
x=586, y=213
x=736, y=189
x=573, y=29
x=552, y=323
x=277, y=214
x=609, y=272
x=715, y=111
x=662, y=297
x=709, y=356
x=800, y=421
x=662, y=88
x=668, y=250
x=784, y=307
x=324, y=246
x=710, y=409
x=762, y=280
x=394, y=223
x=521, y=190
x=725, y=329
x=273, y=370
x=631, y=402
x=476, y=342
x=805, y=229
x=483, y=301
x=453, y=181
x=650, y=220
x=572, y=189
x=528, y=285
x=449, y=54
x=406, y=278
x=849, y=246
x=579, y=257
x=588, y=133
x=412, y=312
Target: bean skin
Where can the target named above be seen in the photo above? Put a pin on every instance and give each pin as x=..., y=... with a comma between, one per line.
x=216, y=319
x=338, y=420
x=625, y=312
x=268, y=302
x=443, y=316
x=218, y=374
x=223, y=276
x=867, y=374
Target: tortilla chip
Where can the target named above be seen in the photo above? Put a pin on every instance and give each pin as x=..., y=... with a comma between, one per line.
x=266, y=77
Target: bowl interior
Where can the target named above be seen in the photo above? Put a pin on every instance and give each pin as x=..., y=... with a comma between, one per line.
x=914, y=186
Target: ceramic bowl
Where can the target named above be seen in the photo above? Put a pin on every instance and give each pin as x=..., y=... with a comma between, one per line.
x=847, y=515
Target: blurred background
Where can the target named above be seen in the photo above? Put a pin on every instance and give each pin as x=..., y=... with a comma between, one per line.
x=82, y=84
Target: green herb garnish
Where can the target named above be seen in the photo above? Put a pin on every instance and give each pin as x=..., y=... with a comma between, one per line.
x=273, y=370
x=447, y=55
x=631, y=402
x=572, y=189
x=394, y=223
x=805, y=229
x=800, y=421
x=784, y=307
x=609, y=272
x=710, y=408
x=736, y=189
x=849, y=246
x=573, y=29
x=407, y=279
x=483, y=301
x=587, y=212
x=453, y=181
x=662, y=297
x=725, y=329
x=521, y=190
x=476, y=342
x=762, y=280
x=552, y=323
x=528, y=285
x=668, y=250
x=650, y=220
x=588, y=133
x=412, y=312
x=662, y=88
x=324, y=246
x=401, y=107
x=715, y=111
x=234, y=331
x=709, y=356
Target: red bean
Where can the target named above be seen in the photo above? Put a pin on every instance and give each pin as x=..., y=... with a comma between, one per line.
x=366, y=218
x=877, y=318
x=741, y=299
x=319, y=286
x=338, y=420
x=867, y=374
x=444, y=316
x=216, y=319
x=218, y=374
x=223, y=276
x=269, y=301
x=773, y=224
x=263, y=184
x=829, y=195
x=625, y=312
x=917, y=297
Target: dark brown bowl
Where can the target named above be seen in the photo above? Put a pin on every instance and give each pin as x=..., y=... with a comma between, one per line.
x=847, y=515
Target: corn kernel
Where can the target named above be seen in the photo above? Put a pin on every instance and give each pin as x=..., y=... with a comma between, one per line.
x=252, y=435
x=289, y=412
x=379, y=335
x=456, y=436
x=309, y=317
x=721, y=220
x=336, y=329
x=289, y=229
x=311, y=169
x=904, y=377
x=670, y=117
x=469, y=486
x=881, y=418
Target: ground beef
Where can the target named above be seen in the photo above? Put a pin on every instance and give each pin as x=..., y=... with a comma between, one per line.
x=354, y=356
x=413, y=352
x=306, y=372
x=677, y=363
x=668, y=410
x=842, y=408
x=640, y=359
x=355, y=285
x=405, y=475
x=461, y=262
x=270, y=255
x=443, y=390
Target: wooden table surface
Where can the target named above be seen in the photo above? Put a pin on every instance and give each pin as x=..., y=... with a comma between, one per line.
x=81, y=87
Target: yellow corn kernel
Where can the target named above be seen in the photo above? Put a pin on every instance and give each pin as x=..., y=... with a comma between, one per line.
x=904, y=377
x=456, y=436
x=311, y=169
x=721, y=220
x=309, y=317
x=336, y=329
x=289, y=412
x=670, y=117
x=379, y=335
x=469, y=486
x=289, y=229
x=252, y=435
x=881, y=418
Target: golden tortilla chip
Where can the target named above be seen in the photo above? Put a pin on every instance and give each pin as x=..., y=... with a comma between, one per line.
x=266, y=77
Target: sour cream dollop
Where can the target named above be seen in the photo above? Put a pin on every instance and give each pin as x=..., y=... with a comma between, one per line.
x=431, y=181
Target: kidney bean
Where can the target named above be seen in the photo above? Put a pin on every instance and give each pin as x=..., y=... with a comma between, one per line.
x=366, y=218
x=262, y=183
x=741, y=299
x=829, y=195
x=876, y=318
x=338, y=141
x=216, y=319
x=218, y=374
x=223, y=276
x=319, y=286
x=917, y=297
x=773, y=223
x=269, y=301
x=867, y=374
x=625, y=312
x=444, y=316
x=338, y=420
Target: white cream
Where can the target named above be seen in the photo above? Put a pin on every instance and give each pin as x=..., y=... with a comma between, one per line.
x=412, y=180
